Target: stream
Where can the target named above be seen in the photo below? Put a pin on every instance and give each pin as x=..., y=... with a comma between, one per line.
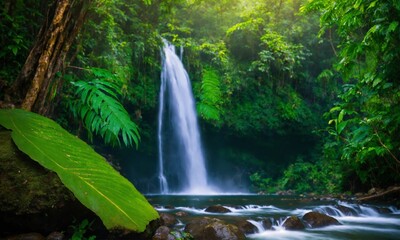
x=359, y=221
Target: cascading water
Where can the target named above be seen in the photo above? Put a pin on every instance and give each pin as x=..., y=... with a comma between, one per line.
x=177, y=105
x=357, y=221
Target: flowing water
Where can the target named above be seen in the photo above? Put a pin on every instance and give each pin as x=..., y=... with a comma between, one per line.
x=182, y=170
x=181, y=159
x=357, y=221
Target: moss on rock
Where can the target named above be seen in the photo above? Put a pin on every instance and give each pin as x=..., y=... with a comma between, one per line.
x=25, y=186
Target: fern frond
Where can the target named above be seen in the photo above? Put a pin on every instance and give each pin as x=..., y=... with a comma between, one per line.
x=208, y=112
x=211, y=96
x=102, y=113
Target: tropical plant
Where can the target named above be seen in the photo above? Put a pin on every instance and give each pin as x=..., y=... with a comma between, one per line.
x=319, y=177
x=80, y=230
x=279, y=58
x=88, y=175
x=366, y=120
x=18, y=19
x=209, y=106
x=260, y=183
x=101, y=112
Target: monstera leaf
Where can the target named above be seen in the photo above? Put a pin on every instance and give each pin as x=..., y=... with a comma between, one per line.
x=87, y=174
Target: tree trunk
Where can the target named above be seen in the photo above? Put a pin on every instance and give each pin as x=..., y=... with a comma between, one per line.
x=64, y=20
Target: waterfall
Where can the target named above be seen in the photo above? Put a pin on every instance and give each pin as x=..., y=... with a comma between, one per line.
x=177, y=106
x=161, y=176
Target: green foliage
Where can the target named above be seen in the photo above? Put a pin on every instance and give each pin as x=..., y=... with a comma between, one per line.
x=100, y=110
x=301, y=177
x=260, y=183
x=279, y=58
x=254, y=66
x=365, y=122
x=261, y=110
x=19, y=22
x=87, y=174
x=80, y=230
x=209, y=106
x=320, y=177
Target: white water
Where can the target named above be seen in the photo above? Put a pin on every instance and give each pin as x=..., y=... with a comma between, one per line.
x=176, y=95
x=357, y=221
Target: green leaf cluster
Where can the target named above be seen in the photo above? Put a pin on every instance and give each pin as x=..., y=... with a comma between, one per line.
x=80, y=230
x=365, y=121
x=209, y=106
x=302, y=177
x=101, y=112
x=319, y=177
x=19, y=20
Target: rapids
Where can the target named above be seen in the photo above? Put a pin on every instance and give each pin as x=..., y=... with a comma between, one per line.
x=358, y=221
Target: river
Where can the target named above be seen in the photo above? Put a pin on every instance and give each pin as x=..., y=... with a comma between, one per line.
x=360, y=221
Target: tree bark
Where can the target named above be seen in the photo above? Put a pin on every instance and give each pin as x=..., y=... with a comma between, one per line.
x=47, y=57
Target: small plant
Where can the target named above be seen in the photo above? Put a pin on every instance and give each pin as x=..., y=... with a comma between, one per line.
x=178, y=235
x=100, y=110
x=261, y=183
x=80, y=230
x=303, y=176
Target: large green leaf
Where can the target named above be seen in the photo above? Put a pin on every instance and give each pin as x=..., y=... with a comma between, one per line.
x=87, y=174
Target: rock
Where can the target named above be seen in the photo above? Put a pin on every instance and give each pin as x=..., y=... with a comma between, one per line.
x=163, y=233
x=217, y=209
x=213, y=229
x=32, y=198
x=167, y=219
x=293, y=223
x=383, y=210
x=246, y=227
x=181, y=214
x=26, y=236
x=55, y=236
x=316, y=220
x=120, y=233
x=267, y=224
x=347, y=211
x=285, y=193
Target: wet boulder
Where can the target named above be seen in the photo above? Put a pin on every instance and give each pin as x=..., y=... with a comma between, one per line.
x=213, y=229
x=384, y=210
x=217, y=209
x=182, y=214
x=246, y=227
x=293, y=223
x=56, y=236
x=347, y=211
x=317, y=220
x=167, y=219
x=267, y=224
x=163, y=233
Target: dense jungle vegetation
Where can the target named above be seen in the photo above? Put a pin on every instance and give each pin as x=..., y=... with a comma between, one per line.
x=305, y=94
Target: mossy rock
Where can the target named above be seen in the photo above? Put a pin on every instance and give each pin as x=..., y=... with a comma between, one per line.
x=33, y=198
x=26, y=187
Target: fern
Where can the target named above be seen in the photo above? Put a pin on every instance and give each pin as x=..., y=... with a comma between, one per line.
x=101, y=112
x=211, y=96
